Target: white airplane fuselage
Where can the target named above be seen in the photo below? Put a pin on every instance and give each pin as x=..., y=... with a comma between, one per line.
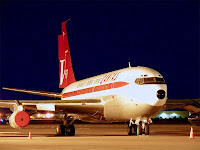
x=127, y=93
x=134, y=94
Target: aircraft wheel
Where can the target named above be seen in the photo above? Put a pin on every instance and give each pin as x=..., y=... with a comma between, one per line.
x=129, y=129
x=135, y=129
x=60, y=130
x=146, y=129
x=139, y=130
x=132, y=130
x=70, y=131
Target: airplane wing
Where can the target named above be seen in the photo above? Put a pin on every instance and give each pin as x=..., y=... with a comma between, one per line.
x=80, y=107
x=41, y=93
x=191, y=105
x=86, y=106
x=89, y=110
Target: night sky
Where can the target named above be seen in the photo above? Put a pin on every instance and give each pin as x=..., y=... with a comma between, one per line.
x=103, y=36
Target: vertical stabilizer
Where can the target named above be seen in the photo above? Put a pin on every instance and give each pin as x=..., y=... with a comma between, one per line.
x=65, y=64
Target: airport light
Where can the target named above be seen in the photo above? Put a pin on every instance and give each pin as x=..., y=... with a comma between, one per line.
x=48, y=115
x=38, y=115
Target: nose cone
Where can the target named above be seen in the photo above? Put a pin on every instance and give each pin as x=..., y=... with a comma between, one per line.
x=161, y=94
x=153, y=94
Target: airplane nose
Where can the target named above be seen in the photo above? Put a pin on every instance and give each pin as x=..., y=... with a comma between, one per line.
x=161, y=94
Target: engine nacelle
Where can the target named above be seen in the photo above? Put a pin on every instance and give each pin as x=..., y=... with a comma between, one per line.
x=19, y=119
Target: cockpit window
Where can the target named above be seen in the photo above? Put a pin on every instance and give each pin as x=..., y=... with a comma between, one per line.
x=150, y=80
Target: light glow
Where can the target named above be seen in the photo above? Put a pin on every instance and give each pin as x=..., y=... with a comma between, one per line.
x=164, y=116
x=174, y=115
x=48, y=115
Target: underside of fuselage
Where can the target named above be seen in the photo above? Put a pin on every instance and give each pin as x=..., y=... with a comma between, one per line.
x=117, y=108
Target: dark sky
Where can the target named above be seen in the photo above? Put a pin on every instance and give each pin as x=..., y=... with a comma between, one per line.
x=103, y=36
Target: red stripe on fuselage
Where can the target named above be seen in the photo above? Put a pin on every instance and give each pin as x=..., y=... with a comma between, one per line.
x=95, y=89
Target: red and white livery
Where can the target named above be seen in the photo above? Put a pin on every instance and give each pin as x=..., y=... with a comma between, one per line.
x=134, y=94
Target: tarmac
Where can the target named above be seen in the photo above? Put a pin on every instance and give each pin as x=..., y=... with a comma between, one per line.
x=100, y=136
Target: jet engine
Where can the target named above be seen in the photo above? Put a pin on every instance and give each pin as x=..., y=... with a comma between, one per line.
x=19, y=119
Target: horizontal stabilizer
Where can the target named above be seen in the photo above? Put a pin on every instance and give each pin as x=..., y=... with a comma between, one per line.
x=41, y=93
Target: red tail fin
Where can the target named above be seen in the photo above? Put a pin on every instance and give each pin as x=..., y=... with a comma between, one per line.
x=65, y=63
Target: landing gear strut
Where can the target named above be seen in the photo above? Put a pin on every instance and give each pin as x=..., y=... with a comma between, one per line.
x=139, y=127
x=67, y=128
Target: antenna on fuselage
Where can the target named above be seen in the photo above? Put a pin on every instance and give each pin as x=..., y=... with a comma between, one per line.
x=129, y=64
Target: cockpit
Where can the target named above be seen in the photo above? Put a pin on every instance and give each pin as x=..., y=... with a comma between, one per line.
x=150, y=80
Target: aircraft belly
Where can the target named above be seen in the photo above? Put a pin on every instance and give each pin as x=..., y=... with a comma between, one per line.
x=123, y=109
x=145, y=110
x=114, y=108
x=82, y=109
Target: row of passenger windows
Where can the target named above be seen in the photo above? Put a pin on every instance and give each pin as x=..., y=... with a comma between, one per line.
x=150, y=80
x=95, y=89
x=90, y=90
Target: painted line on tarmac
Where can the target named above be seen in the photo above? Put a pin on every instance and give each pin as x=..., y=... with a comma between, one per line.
x=8, y=132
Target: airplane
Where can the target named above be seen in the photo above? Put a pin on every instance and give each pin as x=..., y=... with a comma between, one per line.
x=134, y=94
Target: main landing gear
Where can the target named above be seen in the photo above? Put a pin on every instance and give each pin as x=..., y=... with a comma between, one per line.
x=67, y=128
x=141, y=126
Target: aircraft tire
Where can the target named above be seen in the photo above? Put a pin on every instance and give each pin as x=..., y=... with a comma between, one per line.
x=70, y=131
x=146, y=129
x=132, y=130
x=60, y=130
x=135, y=129
x=139, y=130
x=129, y=129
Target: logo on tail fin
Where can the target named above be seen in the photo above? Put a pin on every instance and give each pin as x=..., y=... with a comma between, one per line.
x=63, y=72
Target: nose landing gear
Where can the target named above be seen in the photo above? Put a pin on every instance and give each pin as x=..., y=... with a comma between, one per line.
x=66, y=128
x=139, y=127
x=132, y=128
